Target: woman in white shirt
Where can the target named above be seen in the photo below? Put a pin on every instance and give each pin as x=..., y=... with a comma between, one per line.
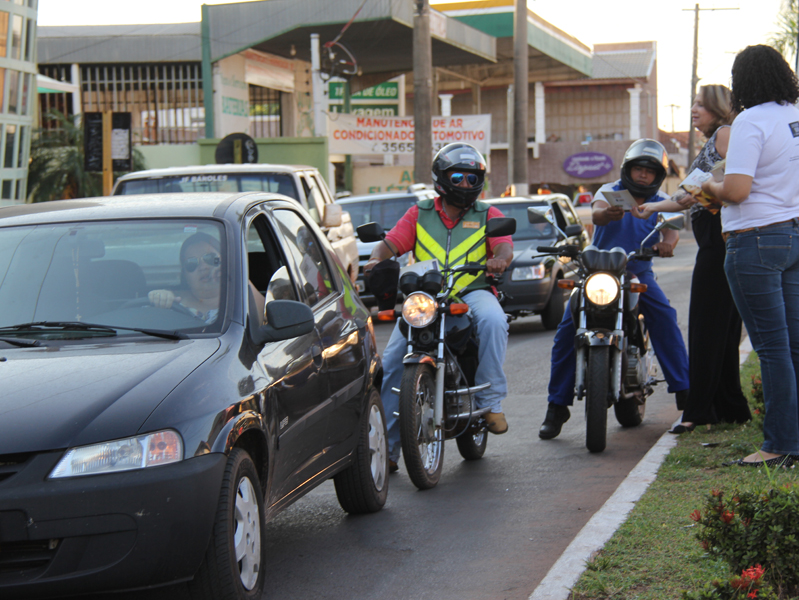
x=760, y=221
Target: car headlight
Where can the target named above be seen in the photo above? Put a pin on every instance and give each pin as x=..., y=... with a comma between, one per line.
x=419, y=309
x=139, y=452
x=528, y=273
x=601, y=289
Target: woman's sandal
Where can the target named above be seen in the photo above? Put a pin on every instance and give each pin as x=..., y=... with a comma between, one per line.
x=778, y=461
x=682, y=428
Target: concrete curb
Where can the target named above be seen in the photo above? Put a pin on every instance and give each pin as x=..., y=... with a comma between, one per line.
x=558, y=582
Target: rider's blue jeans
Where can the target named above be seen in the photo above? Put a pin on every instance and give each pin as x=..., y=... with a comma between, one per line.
x=664, y=334
x=492, y=333
x=762, y=267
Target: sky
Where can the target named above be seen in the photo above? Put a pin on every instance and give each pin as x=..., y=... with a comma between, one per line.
x=670, y=23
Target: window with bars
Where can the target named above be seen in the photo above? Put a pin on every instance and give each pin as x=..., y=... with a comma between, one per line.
x=266, y=112
x=165, y=100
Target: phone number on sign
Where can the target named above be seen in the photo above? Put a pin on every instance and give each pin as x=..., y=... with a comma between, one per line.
x=400, y=147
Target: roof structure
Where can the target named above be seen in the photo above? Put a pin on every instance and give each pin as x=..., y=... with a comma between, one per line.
x=379, y=34
x=552, y=54
x=92, y=44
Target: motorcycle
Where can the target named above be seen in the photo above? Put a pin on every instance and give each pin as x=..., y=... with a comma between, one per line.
x=436, y=394
x=615, y=361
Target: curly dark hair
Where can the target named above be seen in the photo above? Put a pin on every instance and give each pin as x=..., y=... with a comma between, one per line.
x=760, y=74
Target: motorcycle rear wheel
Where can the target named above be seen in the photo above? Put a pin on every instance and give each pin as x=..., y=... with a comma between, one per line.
x=596, y=398
x=629, y=413
x=422, y=442
x=472, y=446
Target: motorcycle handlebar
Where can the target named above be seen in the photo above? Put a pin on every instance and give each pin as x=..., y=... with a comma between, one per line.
x=569, y=250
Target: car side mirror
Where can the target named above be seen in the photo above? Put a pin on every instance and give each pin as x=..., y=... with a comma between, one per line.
x=332, y=217
x=370, y=232
x=286, y=319
x=500, y=226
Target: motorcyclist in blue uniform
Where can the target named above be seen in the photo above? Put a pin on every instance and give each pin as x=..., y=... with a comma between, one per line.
x=643, y=170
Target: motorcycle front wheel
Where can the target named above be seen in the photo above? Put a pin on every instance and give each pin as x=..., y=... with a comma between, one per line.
x=596, y=398
x=422, y=441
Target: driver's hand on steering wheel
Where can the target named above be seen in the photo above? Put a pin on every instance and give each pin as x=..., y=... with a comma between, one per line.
x=162, y=298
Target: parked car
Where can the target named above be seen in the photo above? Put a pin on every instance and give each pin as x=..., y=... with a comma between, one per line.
x=530, y=283
x=385, y=209
x=143, y=444
x=303, y=183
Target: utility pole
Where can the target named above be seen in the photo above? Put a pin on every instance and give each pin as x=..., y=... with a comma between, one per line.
x=520, y=94
x=695, y=79
x=422, y=94
x=672, y=107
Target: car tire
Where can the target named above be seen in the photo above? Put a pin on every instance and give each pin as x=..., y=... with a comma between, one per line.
x=363, y=486
x=233, y=567
x=552, y=314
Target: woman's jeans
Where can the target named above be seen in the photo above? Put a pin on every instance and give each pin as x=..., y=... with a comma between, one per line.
x=762, y=267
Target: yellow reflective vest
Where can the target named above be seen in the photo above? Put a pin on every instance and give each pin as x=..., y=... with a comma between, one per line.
x=434, y=240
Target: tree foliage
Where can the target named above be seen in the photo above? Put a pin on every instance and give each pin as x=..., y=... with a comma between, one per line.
x=785, y=39
x=56, y=170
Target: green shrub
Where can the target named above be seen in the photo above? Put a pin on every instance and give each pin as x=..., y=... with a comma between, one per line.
x=750, y=527
x=749, y=584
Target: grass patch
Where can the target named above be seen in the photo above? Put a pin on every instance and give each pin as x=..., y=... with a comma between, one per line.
x=655, y=555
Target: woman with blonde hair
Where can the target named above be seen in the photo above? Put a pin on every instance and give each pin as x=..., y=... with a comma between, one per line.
x=714, y=325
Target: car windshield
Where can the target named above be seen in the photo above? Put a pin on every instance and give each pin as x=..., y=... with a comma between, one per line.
x=159, y=275
x=524, y=229
x=279, y=183
x=385, y=211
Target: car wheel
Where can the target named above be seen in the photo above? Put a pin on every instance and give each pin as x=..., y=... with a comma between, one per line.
x=233, y=564
x=552, y=314
x=363, y=486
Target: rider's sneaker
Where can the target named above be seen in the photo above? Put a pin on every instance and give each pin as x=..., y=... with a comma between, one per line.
x=393, y=467
x=496, y=422
x=557, y=415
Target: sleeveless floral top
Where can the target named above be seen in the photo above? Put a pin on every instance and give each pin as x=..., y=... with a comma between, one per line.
x=706, y=160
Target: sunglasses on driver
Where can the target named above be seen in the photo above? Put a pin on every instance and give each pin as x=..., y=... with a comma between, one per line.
x=211, y=259
x=457, y=178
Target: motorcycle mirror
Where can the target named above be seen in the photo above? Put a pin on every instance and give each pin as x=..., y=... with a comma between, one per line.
x=370, y=232
x=673, y=221
x=501, y=226
x=543, y=214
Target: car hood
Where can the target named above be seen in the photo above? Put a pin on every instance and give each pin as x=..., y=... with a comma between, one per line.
x=525, y=250
x=56, y=397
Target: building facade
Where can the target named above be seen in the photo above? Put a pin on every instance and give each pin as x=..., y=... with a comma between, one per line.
x=17, y=95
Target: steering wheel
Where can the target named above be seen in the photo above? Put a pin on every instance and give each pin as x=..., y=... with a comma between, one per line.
x=145, y=303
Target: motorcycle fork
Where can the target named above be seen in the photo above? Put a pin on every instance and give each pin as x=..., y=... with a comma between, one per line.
x=441, y=363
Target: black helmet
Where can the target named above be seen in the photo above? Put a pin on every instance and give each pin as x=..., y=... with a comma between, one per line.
x=644, y=153
x=459, y=157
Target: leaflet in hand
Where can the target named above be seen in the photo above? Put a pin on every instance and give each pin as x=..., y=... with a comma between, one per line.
x=693, y=185
x=622, y=198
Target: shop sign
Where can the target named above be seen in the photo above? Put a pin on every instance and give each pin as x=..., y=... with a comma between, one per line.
x=587, y=165
x=353, y=134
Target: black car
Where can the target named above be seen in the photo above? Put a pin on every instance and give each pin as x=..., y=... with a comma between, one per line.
x=530, y=283
x=385, y=209
x=154, y=415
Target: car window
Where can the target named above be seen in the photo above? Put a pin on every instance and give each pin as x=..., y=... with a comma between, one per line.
x=568, y=212
x=308, y=255
x=524, y=229
x=105, y=272
x=280, y=183
x=360, y=212
x=266, y=265
x=316, y=202
x=385, y=211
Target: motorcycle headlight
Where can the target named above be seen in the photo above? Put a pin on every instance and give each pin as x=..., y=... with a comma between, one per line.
x=601, y=289
x=419, y=309
x=139, y=452
x=528, y=273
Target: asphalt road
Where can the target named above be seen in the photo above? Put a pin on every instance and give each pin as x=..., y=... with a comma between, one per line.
x=492, y=528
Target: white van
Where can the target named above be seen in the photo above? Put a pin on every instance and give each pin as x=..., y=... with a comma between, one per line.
x=303, y=183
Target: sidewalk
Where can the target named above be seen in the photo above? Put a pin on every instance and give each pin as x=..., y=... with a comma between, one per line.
x=558, y=582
